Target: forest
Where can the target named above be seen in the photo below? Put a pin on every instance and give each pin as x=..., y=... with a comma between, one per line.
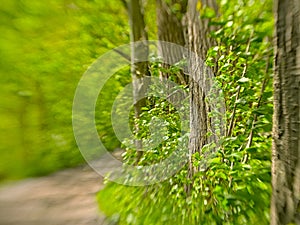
x=189, y=109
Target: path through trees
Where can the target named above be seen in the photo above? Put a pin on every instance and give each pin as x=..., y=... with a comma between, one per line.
x=67, y=197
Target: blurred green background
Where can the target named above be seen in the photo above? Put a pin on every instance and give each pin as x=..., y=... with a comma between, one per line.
x=45, y=47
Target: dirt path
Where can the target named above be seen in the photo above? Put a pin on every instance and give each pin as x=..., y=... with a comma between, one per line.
x=64, y=198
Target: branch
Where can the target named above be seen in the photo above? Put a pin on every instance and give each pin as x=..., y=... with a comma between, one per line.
x=124, y=55
x=231, y=124
x=262, y=90
x=235, y=106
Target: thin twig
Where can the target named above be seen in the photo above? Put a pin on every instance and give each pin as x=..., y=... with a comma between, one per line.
x=174, y=92
x=262, y=90
x=231, y=124
x=124, y=55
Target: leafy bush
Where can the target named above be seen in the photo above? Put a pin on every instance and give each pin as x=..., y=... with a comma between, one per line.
x=235, y=186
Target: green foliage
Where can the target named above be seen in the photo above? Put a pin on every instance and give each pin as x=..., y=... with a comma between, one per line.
x=235, y=186
x=104, y=105
x=45, y=47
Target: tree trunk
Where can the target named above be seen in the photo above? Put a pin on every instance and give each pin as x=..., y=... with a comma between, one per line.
x=171, y=29
x=200, y=77
x=285, y=204
x=139, y=50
